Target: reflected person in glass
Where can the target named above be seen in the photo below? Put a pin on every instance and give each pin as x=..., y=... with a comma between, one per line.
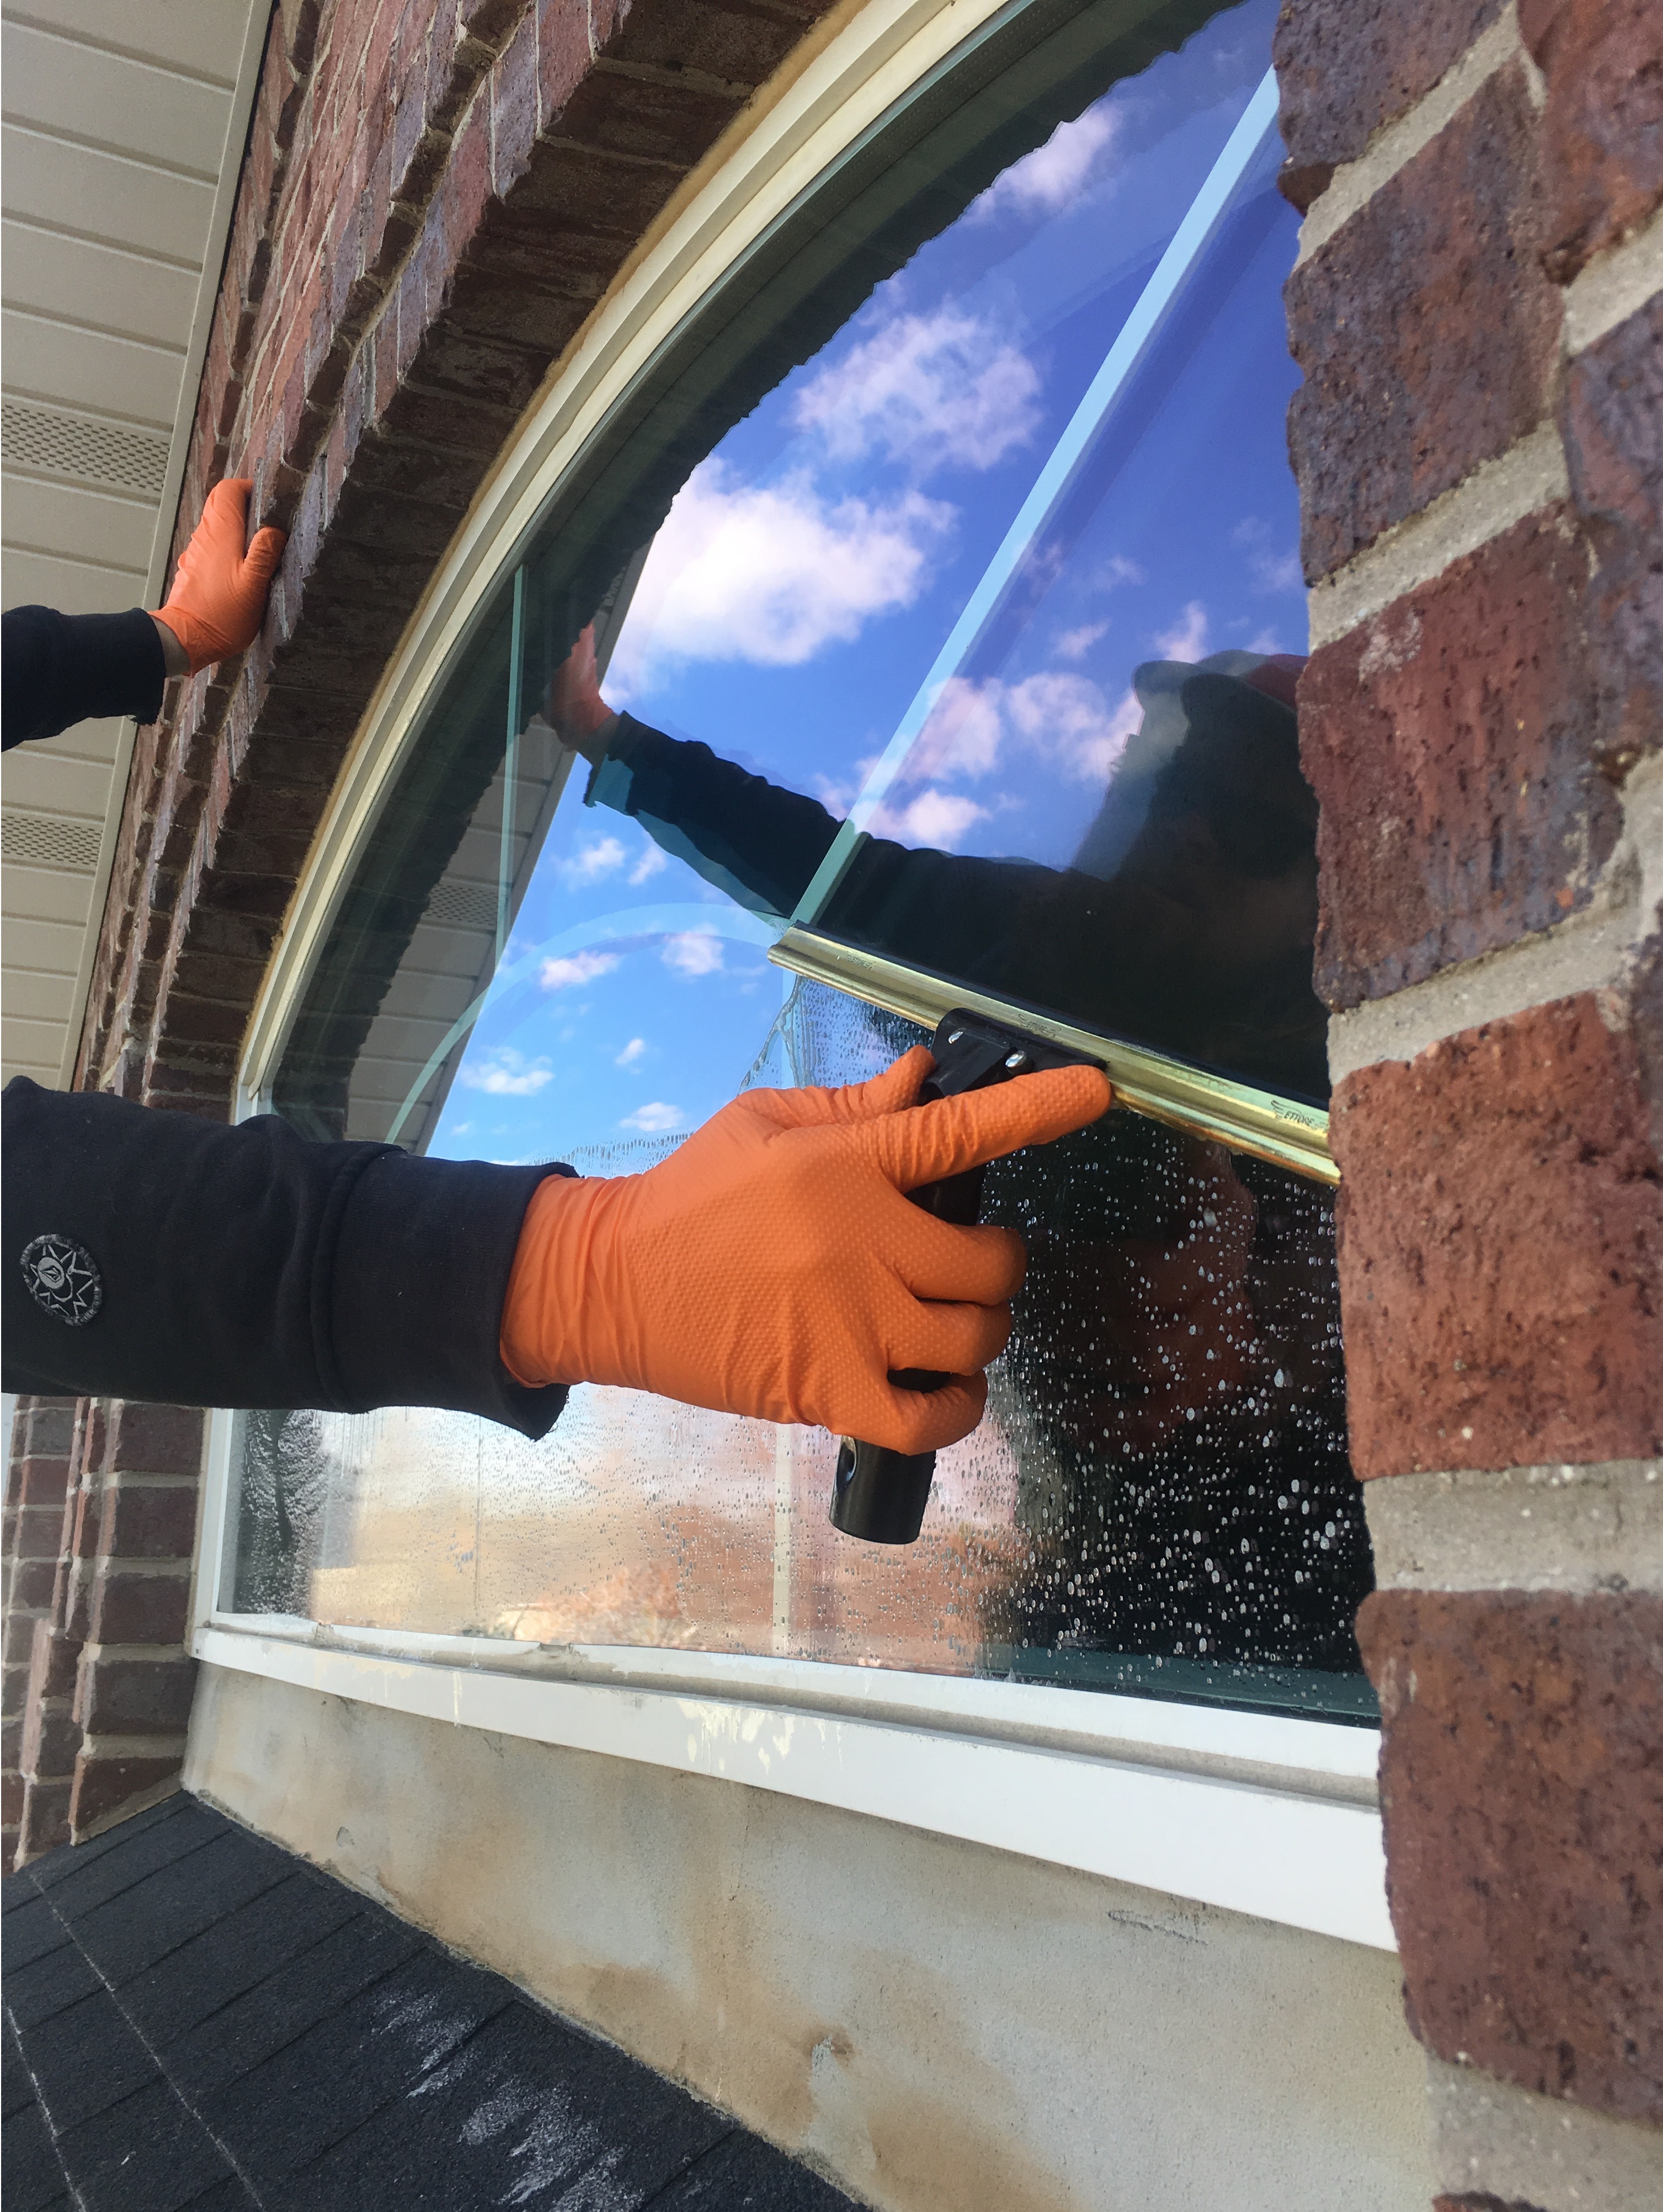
x=1184, y=921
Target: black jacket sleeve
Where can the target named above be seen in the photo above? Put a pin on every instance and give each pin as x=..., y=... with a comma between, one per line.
x=59, y=669
x=152, y=1254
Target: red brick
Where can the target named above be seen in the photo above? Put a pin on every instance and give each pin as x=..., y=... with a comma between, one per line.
x=51, y=1738
x=130, y=1607
x=45, y=1823
x=37, y=1531
x=1426, y=328
x=19, y=1637
x=40, y=1482
x=48, y=1425
x=1612, y=416
x=1346, y=67
x=665, y=124
x=742, y=46
x=158, y=1440
x=1521, y=1783
x=104, y=1786
x=134, y=1697
x=1500, y=1242
x=148, y=1523
x=563, y=55
x=1449, y=743
x=31, y=1586
x=1602, y=121
x=513, y=95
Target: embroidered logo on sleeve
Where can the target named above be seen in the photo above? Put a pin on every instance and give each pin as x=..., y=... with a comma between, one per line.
x=62, y=1278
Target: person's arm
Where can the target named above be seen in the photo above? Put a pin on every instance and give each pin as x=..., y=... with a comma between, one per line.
x=770, y=1267
x=155, y=1255
x=762, y=844
x=60, y=668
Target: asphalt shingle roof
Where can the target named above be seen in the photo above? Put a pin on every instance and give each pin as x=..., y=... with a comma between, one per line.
x=194, y=2018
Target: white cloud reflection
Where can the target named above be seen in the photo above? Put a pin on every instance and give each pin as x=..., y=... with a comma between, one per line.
x=693, y=952
x=572, y=968
x=589, y=864
x=1053, y=175
x=770, y=574
x=506, y=1074
x=654, y=1119
x=930, y=392
x=1188, y=638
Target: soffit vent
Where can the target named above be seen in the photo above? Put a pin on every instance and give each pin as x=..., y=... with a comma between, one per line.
x=59, y=445
x=48, y=841
x=459, y=904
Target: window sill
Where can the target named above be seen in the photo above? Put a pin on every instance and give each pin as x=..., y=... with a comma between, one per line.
x=1249, y=1812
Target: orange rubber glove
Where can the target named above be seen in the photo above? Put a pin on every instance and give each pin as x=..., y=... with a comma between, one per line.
x=218, y=600
x=772, y=1266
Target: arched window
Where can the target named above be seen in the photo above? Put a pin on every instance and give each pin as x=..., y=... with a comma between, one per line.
x=935, y=529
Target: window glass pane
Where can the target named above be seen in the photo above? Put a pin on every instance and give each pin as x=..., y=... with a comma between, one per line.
x=893, y=527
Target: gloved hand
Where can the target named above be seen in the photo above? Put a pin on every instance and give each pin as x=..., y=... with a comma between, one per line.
x=218, y=600
x=773, y=1265
x=575, y=710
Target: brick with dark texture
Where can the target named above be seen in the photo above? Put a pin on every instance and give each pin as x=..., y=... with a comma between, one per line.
x=1610, y=412
x=1500, y=1227
x=146, y=1696
x=1344, y=68
x=1521, y=1783
x=1449, y=742
x=1602, y=121
x=1426, y=328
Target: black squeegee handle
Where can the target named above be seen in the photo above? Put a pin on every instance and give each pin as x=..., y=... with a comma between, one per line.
x=879, y=1494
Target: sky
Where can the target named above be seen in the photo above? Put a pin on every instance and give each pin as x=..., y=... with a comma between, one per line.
x=813, y=565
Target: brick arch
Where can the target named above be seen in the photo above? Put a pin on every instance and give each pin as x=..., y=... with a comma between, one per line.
x=435, y=198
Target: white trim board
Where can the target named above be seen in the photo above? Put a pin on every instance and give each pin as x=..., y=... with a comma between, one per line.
x=1277, y=1854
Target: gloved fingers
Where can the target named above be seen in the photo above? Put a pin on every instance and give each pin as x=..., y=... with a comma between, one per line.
x=951, y=1134
x=892, y=1092
x=225, y=513
x=921, y=1421
x=950, y=1339
x=981, y=1266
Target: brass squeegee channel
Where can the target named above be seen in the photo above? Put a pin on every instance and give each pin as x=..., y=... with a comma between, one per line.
x=1283, y=1131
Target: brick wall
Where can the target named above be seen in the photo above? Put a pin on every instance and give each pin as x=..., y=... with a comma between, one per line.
x=99, y=1545
x=435, y=196
x=1478, y=309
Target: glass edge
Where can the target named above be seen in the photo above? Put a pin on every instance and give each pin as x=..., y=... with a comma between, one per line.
x=1282, y=1131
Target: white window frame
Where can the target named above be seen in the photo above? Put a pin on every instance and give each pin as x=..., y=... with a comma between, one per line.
x=1255, y=1813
